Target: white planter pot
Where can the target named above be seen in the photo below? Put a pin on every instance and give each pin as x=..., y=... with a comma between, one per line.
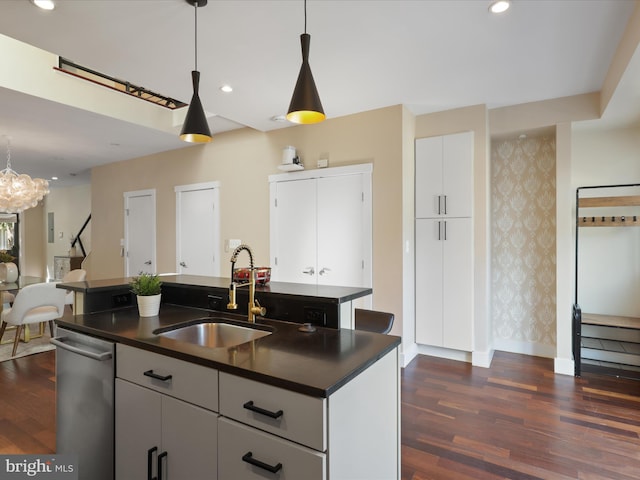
x=8, y=272
x=148, y=306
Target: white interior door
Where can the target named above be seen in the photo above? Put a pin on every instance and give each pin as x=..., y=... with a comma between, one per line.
x=198, y=229
x=294, y=235
x=341, y=231
x=140, y=232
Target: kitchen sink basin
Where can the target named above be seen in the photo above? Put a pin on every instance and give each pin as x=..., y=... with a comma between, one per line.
x=213, y=333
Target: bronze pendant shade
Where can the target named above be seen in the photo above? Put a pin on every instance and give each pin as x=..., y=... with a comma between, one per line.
x=305, y=106
x=195, y=128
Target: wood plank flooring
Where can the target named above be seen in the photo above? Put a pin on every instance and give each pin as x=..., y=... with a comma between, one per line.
x=515, y=420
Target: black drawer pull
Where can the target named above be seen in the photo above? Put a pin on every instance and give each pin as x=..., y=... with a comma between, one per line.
x=160, y=457
x=150, y=453
x=250, y=406
x=248, y=457
x=164, y=378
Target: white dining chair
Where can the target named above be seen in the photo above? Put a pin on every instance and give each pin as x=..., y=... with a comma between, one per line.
x=77, y=275
x=37, y=303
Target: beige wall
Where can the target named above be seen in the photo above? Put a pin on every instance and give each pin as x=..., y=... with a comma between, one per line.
x=32, y=249
x=71, y=206
x=242, y=161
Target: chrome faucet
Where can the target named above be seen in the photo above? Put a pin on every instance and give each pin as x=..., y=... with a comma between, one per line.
x=254, y=307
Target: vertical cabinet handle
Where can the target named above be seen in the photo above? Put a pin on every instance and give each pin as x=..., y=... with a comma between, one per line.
x=161, y=457
x=248, y=457
x=439, y=230
x=439, y=199
x=150, y=453
x=445, y=229
x=445, y=205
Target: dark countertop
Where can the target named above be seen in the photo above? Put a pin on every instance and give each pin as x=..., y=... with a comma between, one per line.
x=329, y=293
x=315, y=364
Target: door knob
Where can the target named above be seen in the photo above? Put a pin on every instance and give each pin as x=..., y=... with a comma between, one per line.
x=148, y=262
x=309, y=271
x=182, y=264
x=324, y=270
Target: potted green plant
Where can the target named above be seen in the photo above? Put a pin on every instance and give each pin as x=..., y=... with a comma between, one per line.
x=147, y=287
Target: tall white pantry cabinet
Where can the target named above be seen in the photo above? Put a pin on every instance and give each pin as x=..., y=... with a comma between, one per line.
x=444, y=241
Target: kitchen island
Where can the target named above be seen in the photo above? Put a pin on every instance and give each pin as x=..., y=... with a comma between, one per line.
x=292, y=404
x=323, y=305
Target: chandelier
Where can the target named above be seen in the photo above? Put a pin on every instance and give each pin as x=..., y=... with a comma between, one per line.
x=19, y=191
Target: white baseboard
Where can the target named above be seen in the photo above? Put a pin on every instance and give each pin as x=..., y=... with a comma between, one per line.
x=563, y=366
x=409, y=352
x=524, y=348
x=482, y=359
x=448, y=353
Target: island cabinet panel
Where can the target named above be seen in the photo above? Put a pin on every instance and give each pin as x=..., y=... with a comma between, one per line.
x=291, y=415
x=187, y=381
x=158, y=436
x=247, y=453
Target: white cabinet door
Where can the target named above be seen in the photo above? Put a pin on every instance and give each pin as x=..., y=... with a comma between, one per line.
x=444, y=176
x=457, y=174
x=341, y=231
x=294, y=235
x=138, y=430
x=457, y=281
x=428, y=173
x=195, y=458
x=444, y=283
x=197, y=230
x=152, y=426
x=429, y=285
x=321, y=230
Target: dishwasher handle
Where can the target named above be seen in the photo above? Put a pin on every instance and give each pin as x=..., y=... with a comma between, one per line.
x=61, y=342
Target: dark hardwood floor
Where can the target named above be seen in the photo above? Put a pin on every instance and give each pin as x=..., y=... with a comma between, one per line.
x=515, y=420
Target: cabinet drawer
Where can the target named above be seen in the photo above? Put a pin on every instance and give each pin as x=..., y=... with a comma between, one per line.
x=295, y=416
x=187, y=381
x=238, y=445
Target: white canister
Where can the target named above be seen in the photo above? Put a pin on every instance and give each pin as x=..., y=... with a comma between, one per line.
x=288, y=154
x=8, y=272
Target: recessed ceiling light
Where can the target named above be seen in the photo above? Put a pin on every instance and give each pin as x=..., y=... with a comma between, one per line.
x=44, y=4
x=499, y=6
x=226, y=88
x=54, y=178
x=278, y=118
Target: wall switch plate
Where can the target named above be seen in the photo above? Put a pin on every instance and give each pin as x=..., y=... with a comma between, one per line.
x=323, y=163
x=231, y=244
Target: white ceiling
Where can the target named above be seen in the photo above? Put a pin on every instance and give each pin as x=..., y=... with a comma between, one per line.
x=430, y=55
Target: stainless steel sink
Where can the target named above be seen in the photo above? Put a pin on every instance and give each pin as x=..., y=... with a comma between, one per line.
x=213, y=333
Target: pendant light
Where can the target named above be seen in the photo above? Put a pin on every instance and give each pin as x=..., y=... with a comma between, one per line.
x=19, y=191
x=195, y=128
x=305, y=106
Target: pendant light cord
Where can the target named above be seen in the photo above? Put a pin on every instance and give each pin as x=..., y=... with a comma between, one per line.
x=196, y=32
x=305, y=16
x=8, y=153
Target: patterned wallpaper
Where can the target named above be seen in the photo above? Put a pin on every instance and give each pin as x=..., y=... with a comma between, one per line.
x=523, y=251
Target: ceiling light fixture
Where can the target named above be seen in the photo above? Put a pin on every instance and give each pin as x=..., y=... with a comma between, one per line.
x=305, y=106
x=226, y=88
x=499, y=6
x=195, y=128
x=44, y=4
x=19, y=192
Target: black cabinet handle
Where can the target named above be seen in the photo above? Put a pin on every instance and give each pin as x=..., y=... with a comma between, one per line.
x=160, y=458
x=250, y=406
x=248, y=457
x=164, y=378
x=150, y=453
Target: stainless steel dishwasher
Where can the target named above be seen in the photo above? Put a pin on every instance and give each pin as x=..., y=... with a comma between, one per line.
x=85, y=402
